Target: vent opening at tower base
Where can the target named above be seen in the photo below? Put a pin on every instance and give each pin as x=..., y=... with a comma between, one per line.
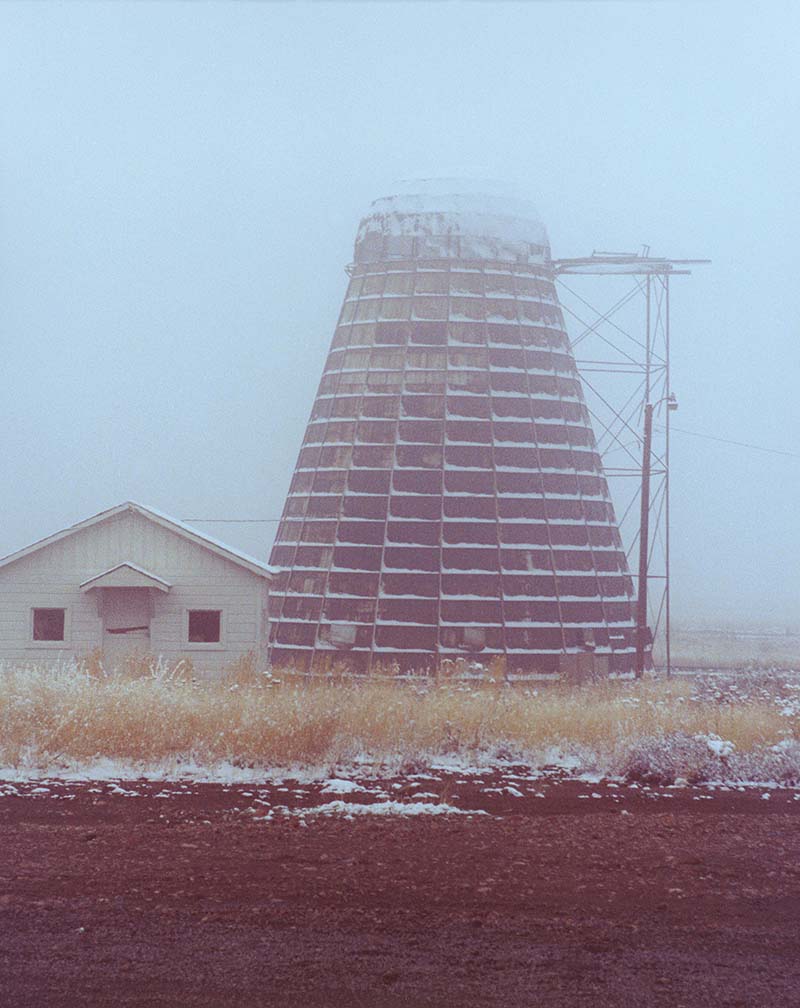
x=572, y=666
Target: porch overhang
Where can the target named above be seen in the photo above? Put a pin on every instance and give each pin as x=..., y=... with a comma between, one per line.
x=126, y=575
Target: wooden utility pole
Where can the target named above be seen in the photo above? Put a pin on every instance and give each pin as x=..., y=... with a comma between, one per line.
x=644, y=540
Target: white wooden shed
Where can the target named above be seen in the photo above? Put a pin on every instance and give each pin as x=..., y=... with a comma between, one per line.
x=133, y=580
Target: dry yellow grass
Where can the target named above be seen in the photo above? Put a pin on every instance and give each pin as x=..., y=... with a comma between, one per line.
x=77, y=713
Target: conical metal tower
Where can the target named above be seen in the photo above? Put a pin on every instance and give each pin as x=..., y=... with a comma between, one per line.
x=449, y=499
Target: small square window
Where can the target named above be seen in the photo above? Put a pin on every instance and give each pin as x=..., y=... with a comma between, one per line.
x=205, y=626
x=48, y=624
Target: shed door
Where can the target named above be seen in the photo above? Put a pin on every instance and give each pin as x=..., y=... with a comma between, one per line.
x=126, y=623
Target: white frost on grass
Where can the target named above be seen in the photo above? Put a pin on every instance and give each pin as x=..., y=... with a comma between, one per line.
x=172, y=770
x=718, y=746
x=660, y=759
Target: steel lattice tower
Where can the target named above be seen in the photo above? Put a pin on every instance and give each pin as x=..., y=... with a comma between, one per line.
x=449, y=498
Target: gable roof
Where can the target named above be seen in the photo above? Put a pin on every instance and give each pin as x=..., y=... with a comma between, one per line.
x=125, y=575
x=158, y=518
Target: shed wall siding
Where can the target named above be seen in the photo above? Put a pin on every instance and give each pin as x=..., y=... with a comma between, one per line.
x=200, y=579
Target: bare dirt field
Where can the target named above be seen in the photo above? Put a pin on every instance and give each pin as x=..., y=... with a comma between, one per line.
x=565, y=893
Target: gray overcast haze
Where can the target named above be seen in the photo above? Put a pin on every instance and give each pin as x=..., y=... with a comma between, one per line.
x=180, y=186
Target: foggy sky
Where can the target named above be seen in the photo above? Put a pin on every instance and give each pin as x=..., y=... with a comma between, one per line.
x=180, y=187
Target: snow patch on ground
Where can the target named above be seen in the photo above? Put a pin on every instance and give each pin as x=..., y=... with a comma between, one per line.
x=387, y=808
x=338, y=785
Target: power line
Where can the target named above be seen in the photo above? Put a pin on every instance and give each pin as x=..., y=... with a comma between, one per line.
x=739, y=444
x=610, y=471
x=232, y=521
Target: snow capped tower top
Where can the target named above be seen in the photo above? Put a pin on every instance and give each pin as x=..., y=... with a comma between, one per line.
x=452, y=219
